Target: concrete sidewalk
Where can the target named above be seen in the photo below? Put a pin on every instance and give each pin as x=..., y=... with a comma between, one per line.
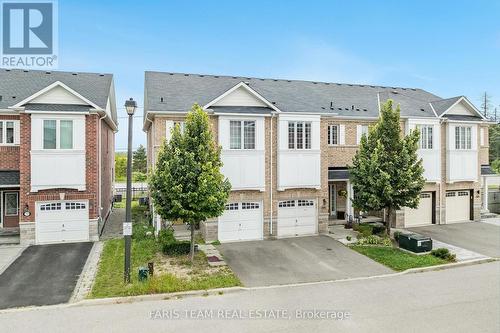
x=9, y=253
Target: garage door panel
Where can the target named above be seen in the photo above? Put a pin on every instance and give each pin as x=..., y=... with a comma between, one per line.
x=62, y=221
x=422, y=215
x=296, y=218
x=241, y=221
x=457, y=206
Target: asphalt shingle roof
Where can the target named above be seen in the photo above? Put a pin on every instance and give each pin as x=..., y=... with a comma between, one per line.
x=17, y=84
x=57, y=107
x=241, y=109
x=180, y=91
x=486, y=170
x=9, y=177
x=338, y=174
x=440, y=106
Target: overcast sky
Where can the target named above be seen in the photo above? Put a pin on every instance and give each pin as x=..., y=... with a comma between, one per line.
x=449, y=48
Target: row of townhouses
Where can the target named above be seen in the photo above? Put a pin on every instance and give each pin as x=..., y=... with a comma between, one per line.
x=287, y=144
x=56, y=154
x=286, y=148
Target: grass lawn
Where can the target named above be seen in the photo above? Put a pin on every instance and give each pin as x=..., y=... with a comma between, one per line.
x=397, y=259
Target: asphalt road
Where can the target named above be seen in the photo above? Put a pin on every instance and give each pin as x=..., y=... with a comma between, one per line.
x=43, y=275
x=465, y=299
x=295, y=260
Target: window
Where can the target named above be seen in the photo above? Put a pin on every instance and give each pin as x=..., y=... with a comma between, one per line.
x=7, y=131
x=450, y=194
x=299, y=135
x=426, y=137
x=463, y=137
x=181, y=125
x=249, y=205
x=364, y=130
x=237, y=136
x=285, y=204
x=232, y=206
x=75, y=205
x=49, y=134
x=333, y=135
x=463, y=194
x=54, y=139
x=11, y=204
x=51, y=206
x=304, y=203
x=425, y=195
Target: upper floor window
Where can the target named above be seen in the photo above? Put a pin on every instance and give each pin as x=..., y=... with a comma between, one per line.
x=242, y=134
x=181, y=125
x=299, y=135
x=333, y=134
x=463, y=137
x=364, y=130
x=7, y=132
x=426, y=137
x=57, y=134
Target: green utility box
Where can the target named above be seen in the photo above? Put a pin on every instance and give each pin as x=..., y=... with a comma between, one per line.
x=415, y=243
x=143, y=273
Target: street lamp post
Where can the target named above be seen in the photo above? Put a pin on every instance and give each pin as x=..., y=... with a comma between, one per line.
x=130, y=106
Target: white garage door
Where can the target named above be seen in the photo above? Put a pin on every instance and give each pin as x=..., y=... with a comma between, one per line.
x=457, y=206
x=241, y=221
x=62, y=221
x=296, y=218
x=422, y=215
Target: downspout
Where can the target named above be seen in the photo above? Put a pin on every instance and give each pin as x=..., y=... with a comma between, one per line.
x=441, y=121
x=271, y=185
x=100, y=165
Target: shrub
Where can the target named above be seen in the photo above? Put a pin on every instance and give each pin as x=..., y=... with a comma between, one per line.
x=165, y=236
x=375, y=240
x=348, y=238
x=176, y=248
x=142, y=231
x=364, y=230
x=378, y=229
x=396, y=235
x=443, y=253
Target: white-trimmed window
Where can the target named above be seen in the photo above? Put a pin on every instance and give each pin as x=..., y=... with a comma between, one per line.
x=57, y=134
x=299, y=135
x=286, y=204
x=463, y=140
x=11, y=204
x=232, y=206
x=75, y=205
x=333, y=134
x=9, y=131
x=51, y=206
x=304, y=203
x=181, y=125
x=426, y=136
x=242, y=134
x=364, y=130
x=249, y=205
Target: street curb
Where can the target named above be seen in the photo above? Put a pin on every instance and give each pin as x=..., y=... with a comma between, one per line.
x=231, y=290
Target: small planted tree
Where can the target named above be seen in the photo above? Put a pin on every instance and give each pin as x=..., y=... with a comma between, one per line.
x=186, y=183
x=387, y=173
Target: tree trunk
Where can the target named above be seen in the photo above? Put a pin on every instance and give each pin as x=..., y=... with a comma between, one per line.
x=191, y=251
x=388, y=222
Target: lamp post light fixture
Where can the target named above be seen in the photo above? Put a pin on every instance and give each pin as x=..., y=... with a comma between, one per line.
x=130, y=106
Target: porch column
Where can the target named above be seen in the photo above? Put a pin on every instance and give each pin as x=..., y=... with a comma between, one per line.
x=350, y=210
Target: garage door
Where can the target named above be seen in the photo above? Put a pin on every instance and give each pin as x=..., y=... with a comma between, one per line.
x=241, y=221
x=296, y=218
x=62, y=221
x=422, y=215
x=457, y=206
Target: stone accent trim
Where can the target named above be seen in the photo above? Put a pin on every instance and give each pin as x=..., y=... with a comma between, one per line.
x=27, y=233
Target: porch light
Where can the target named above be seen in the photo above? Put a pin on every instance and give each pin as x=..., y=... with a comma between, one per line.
x=130, y=106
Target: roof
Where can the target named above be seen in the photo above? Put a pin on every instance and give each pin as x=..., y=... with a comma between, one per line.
x=487, y=170
x=57, y=107
x=338, y=174
x=241, y=109
x=462, y=117
x=440, y=106
x=177, y=92
x=17, y=85
x=9, y=177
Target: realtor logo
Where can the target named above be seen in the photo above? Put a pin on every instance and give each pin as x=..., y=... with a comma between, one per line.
x=29, y=34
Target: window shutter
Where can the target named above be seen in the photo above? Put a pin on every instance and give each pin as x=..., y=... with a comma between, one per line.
x=169, y=126
x=17, y=132
x=341, y=134
x=359, y=129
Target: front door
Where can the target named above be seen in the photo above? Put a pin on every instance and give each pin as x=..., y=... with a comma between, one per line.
x=10, y=209
x=333, y=200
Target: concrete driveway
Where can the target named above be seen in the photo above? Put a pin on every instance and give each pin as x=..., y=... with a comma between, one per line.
x=295, y=260
x=483, y=238
x=43, y=275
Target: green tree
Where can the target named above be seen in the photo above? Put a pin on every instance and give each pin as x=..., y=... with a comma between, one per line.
x=186, y=183
x=139, y=161
x=494, y=142
x=387, y=173
x=120, y=166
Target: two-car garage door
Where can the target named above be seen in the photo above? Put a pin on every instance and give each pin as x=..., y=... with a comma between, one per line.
x=62, y=221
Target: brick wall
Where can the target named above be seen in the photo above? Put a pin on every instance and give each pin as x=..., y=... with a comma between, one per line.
x=91, y=193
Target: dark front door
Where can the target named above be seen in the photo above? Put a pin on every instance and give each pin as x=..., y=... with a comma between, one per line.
x=10, y=209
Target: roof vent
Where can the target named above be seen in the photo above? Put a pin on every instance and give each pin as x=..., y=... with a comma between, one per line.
x=327, y=83
x=365, y=110
x=347, y=109
x=331, y=105
x=74, y=74
x=323, y=108
x=234, y=77
x=202, y=75
x=413, y=89
x=7, y=70
x=101, y=74
x=13, y=97
x=216, y=77
x=171, y=73
x=161, y=99
x=339, y=84
x=274, y=103
x=186, y=74
x=1, y=98
x=47, y=72
x=26, y=71
x=352, y=107
x=422, y=109
x=357, y=109
x=246, y=82
x=340, y=108
x=315, y=82
x=394, y=92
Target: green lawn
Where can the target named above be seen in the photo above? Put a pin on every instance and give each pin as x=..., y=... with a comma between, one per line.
x=397, y=259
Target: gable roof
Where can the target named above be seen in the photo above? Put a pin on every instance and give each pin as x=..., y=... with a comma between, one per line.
x=447, y=104
x=180, y=91
x=17, y=85
x=440, y=106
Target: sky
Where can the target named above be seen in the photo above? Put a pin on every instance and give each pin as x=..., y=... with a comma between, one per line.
x=449, y=48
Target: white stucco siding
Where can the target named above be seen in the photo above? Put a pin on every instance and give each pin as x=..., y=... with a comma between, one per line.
x=462, y=164
x=245, y=168
x=57, y=168
x=431, y=158
x=299, y=168
x=57, y=95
